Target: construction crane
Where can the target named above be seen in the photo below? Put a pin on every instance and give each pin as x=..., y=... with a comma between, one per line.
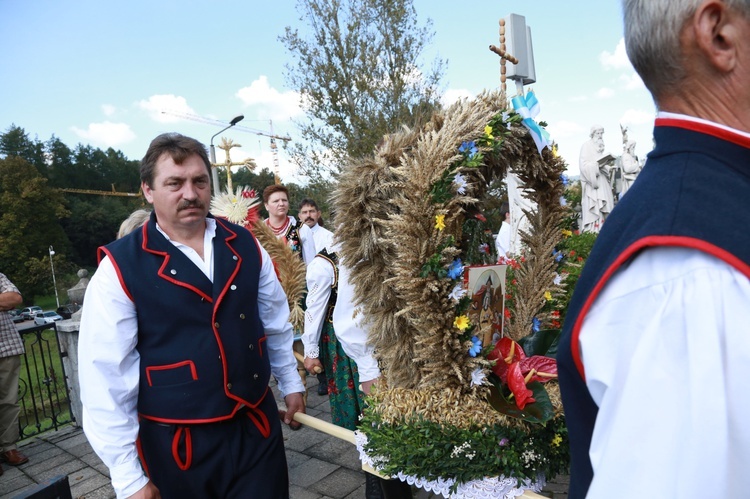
x=270, y=134
x=113, y=192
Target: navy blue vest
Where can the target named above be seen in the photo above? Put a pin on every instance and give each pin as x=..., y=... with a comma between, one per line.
x=201, y=344
x=693, y=192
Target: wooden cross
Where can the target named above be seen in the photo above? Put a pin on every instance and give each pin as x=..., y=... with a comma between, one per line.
x=227, y=145
x=504, y=56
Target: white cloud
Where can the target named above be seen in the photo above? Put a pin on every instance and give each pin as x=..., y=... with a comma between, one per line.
x=452, y=95
x=271, y=103
x=166, y=102
x=636, y=117
x=618, y=59
x=579, y=98
x=632, y=81
x=563, y=129
x=106, y=134
x=605, y=93
x=108, y=109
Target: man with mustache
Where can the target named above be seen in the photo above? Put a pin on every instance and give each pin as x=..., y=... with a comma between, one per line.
x=184, y=322
x=309, y=214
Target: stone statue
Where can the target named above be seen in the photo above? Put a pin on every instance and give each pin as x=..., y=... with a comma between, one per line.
x=630, y=167
x=76, y=293
x=596, y=166
x=518, y=219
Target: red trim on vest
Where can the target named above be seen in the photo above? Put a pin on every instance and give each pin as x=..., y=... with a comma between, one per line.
x=139, y=449
x=160, y=272
x=705, y=128
x=209, y=420
x=260, y=420
x=183, y=465
x=193, y=370
x=260, y=344
x=119, y=273
x=650, y=241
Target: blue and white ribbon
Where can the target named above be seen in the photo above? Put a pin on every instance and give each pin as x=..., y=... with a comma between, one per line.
x=528, y=107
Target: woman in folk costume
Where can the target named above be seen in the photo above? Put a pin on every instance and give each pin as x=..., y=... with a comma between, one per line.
x=284, y=226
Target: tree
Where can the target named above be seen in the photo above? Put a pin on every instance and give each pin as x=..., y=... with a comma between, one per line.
x=29, y=223
x=359, y=77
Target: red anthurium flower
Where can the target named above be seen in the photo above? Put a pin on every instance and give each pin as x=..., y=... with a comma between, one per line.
x=517, y=385
x=516, y=370
x=480, y=217
x=541, y=368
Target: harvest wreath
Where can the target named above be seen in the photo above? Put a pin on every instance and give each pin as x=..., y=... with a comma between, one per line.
x=454, y=413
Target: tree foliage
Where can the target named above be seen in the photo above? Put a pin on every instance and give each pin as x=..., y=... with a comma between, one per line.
x=359, y=74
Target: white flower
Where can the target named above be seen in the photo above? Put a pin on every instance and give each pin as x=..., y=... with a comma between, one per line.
x=563, y=201
x=457, y=293
x=505, y=116
x=558, y=279
x=478, y=377
x=460, y=182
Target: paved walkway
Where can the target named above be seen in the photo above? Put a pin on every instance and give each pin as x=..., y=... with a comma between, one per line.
x=320, y=467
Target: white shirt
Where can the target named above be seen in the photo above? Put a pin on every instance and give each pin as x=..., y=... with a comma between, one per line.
x=502, y=241
x=351, y=335
x=323, y=237
x=109, y=364
x=666, y=352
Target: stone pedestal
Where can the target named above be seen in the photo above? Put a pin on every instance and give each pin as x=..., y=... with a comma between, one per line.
x=67, y=332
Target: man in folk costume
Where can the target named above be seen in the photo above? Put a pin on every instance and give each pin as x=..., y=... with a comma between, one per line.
x=183, y=325
x=296, y=234
x=654, y=353
x=335, y=340
x=309, y=214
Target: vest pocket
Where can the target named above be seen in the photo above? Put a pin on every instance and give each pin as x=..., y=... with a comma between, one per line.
x=171, y=374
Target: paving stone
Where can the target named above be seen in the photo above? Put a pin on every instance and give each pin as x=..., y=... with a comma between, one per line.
x=72, y=441
x=300, y=493
x=10, y=485
x=106, y=492
x=340, y=483
x=338, y=452
x=67, y=468
x=294, y=458
x=303, y=439
x=84, y=486
x=310, y=471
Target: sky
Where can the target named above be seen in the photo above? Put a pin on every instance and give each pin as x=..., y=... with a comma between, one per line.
x=101, y=73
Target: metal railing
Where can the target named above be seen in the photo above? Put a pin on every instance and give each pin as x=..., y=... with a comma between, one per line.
x=42, y=385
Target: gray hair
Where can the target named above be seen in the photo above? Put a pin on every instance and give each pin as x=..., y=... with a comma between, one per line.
x=652, y=38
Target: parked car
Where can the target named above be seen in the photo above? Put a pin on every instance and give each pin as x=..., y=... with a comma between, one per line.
x=15, y=314
x=47, y=317
x=67, y=310
x=29, y=313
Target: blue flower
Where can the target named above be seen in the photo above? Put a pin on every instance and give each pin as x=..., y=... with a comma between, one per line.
x=536, y=325
x=456, y=269
x=557, y=254
x=468, y=148
x=564, y=179
x=476, y=346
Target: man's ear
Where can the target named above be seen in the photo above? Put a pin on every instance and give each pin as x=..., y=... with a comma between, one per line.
x=147, y=192
x=716, y=31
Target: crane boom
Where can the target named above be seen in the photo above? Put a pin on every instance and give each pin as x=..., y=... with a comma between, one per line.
x=209, y=121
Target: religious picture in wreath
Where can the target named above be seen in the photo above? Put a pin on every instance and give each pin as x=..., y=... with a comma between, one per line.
x=486, y=283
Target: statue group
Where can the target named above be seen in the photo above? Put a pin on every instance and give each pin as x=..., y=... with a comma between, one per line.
x=604, y=178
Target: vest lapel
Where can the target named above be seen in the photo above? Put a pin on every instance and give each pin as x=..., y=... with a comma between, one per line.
x=226, y=260
x=176, y=268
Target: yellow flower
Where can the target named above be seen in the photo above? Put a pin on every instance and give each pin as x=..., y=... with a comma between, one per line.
x=554, y=151
x=547, y=296
x=461, y=322
x=440, y=222
x=556, y=441
x=567, y=233
x=488, y=131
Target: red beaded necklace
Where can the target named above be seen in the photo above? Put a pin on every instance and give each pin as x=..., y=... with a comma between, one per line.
x=278, y=230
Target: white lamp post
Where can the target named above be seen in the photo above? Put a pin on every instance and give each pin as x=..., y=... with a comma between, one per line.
x=54, y=283
x=214, y=172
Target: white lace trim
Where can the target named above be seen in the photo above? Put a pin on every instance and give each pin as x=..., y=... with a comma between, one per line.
x=314, y=353
x=498, y=487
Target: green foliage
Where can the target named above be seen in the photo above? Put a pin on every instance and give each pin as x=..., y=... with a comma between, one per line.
x=429, y=450
x=359, y=72
x=501, y=399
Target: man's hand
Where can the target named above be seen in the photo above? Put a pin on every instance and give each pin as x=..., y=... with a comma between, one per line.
x=313, y=365
x=367, y=385
x=148, y=492
x=294, y=403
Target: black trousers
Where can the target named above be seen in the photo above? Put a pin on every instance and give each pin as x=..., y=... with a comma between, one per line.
x=236, y=459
